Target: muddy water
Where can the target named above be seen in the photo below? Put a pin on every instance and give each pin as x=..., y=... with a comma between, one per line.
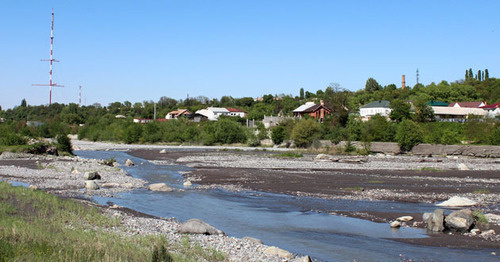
x=300, y=225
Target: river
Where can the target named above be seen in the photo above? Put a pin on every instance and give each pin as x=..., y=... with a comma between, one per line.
x=300, y=225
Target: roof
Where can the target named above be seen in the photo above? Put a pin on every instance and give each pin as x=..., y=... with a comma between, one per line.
x=235, y=110
x=315, y=108
x=492, y=106
x=458, y=111
x=179, y=112
x=379, y=103
x=437, y=103
x=304, y=107
x=466, y=104
x=218, y=109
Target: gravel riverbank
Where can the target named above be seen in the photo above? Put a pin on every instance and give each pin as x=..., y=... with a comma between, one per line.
x=64, y=176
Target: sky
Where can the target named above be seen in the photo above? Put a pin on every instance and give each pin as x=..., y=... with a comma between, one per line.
x=143, y=50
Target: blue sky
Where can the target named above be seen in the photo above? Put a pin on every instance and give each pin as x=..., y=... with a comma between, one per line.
x=142, y=50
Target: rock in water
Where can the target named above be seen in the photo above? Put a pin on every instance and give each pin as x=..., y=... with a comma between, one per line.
x=435, y=222
x=395, y=224
x=91, y=176
x=160, y=187
x=197, y=226
x=91, y=185
x=278, y=251
x=457, y=201
x=460, y=221
x=129, y=162
x=187, y=184
x=404, y=218
x=163, y=151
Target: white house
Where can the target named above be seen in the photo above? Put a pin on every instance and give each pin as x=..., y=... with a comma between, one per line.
x=213, y=113
x=381, y=107
x=236, y=112
x=456, y=114
x=493, y=110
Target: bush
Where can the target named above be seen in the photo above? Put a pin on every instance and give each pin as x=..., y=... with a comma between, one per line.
x=132, y=134
x=305, y=132
x=408, y=135
x=229, y=132
x=278, y=135
x=64, y=144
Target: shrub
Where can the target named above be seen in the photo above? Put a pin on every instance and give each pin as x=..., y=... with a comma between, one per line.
x=278, y=135
x=132, y=133
x=305, y=132
x=229, y=132
x=408, y=135
x=64, y=144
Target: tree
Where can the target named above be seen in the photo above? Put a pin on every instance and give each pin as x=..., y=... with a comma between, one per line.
x=278, y=134
x=64, y=144
x=305, y=132
x=400, y=110
x=423, y=112
x=268, y=99
x=23, y=103
x=486, y=74
x=478, y=76
x=408, y=135
x=471, y=75
x=466, y=75
x=372, y=85
x=301, y=93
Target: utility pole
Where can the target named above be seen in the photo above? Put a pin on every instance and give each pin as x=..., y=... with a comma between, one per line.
x=51, y=60
x=80, y=96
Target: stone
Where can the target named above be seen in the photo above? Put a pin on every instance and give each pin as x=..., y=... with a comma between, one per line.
x=395, y=224
x=426, y=216
x=197, y=226
x=492, y=217
x=116, y=164
x=129, y=163
x=110, y=185
x=33, y=187
x=457, y=201
x=187, y=184
x=404, y=218
x=463, y=167
x=459, y=221
x=91, y=176
x=91, y=185
x=279, y=252
x=127, y=185
x=305, y=259
x=475, y=231
x=74, y=171
x=323, y=157
x=162, y=187
x=163, y=151
x=488, y=232
x=435, y=222
x=253, y=240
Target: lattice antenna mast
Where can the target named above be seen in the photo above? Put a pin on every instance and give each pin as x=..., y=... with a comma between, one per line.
x=51, y=60
x=417, y=76
x=80, y=96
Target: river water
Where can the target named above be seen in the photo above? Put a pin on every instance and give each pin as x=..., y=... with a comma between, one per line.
x=298, y=224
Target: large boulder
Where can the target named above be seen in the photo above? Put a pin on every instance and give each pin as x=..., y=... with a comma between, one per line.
x=91, y=185
x=129, y=162
x=187, y=184
x=457, y=201
x=435, y=222
x=162, y=187
x=91, y=176
x=197, y=226
x=459, y=221
x=404, y=219
x=279, y=252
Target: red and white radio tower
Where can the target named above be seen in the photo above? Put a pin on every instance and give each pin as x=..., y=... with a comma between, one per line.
x=51, y=60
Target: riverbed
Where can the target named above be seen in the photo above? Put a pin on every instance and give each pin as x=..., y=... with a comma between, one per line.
x=302, y=225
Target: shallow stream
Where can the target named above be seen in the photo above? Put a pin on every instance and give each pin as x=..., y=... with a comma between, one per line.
x=298, y=224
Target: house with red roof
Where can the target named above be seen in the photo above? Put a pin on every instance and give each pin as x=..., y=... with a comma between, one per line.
x=493, y=110
x=236, y=112
x=467, y=104
x=317, y=111
x=178, y=113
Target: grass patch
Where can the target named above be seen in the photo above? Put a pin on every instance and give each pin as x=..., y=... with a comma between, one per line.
x=358, y=188
x=430, y=169
x=36, y=226
x=289, y=155
x=375, y=182
x=481, y=191
x=479, y=217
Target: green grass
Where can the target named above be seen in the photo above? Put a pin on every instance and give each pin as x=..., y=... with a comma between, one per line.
x=479, y=217
x=358, y=188
x=375, y=182
x=430, y=169
x=36, y=226
x=481, y=191
x=289, y=155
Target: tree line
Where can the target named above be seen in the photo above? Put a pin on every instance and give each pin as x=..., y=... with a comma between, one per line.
x=97, y=122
